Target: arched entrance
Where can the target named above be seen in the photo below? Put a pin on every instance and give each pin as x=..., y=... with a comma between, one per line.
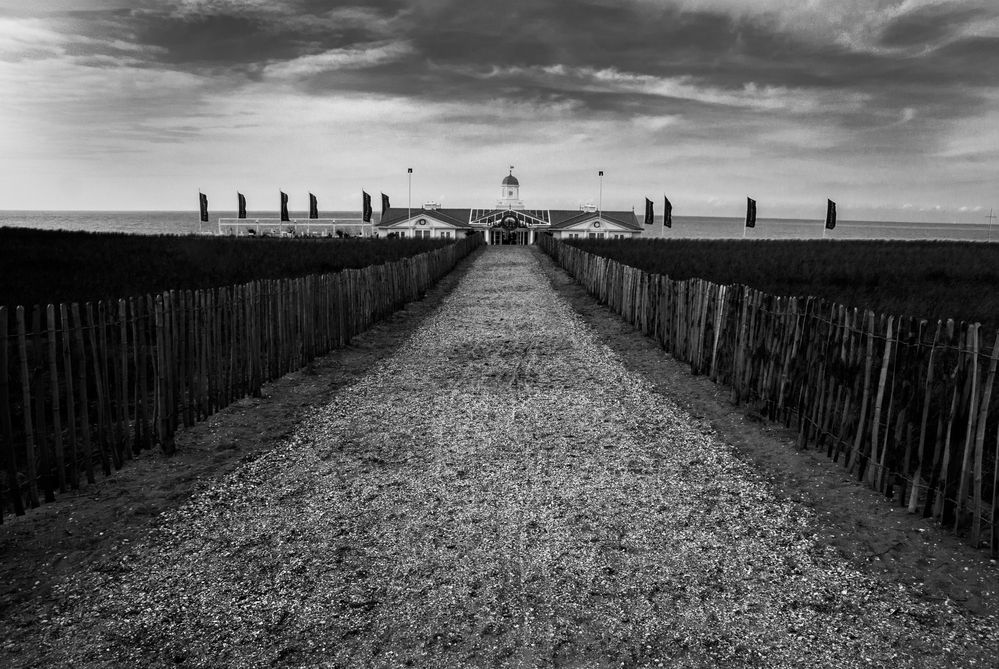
x=510, y=230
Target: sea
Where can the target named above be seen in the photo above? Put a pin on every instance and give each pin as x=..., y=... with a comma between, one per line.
x=686, y=227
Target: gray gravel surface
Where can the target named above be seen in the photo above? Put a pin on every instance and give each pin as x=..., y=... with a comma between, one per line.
x=500, y=492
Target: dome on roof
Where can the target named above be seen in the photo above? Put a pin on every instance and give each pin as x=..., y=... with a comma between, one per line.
x=510, y=180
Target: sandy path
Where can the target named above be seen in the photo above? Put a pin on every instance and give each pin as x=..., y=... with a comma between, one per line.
x=500, y=492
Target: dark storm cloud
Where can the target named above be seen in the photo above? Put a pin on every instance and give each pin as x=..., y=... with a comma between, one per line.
x=228, y=35
x=928, y=25
x=452, y=42
x=240, y=41
x=462, y=51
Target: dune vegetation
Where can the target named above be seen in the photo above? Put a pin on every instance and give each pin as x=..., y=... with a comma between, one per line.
x=925, y=279
x=44, y=266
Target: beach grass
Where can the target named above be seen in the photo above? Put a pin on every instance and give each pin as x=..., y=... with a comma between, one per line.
x=925, y=279
x=44, y=266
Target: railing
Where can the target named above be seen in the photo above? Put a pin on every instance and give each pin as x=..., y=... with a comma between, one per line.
x=85, y=387
x=296, y=227
x=905, y=405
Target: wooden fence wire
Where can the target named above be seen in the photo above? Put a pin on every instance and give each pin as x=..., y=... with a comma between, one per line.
x=87, y=386
x=906, y=406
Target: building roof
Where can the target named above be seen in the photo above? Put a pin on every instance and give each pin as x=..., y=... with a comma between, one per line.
x=456, y=217
x=557, y=218
x=564, y=218
x=510, y=180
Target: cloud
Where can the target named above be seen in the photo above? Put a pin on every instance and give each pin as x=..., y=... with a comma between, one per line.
x=748, y=96
x=338, y=59
x=858, y=24
x=226, y=34
x=851, y=91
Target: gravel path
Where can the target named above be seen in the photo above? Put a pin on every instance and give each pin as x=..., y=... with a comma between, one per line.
x=500, y=492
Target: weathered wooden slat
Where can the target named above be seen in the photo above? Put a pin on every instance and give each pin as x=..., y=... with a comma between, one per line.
x=29, y=429
x=856, y=456
x=46, y=475
x=972, y=412
x=920, y=471
x=979, y=448
x=994, y=541
x=60, y=461
x=80, y=352
x=70, y=397
x=102, y=437
x=105, y=357
x=143, y=394
x=188, y=334
x=6, y=421
x=943, y=478
x=122, y=346
x=159, y=376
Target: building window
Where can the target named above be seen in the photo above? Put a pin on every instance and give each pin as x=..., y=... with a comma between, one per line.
x=596, y=235
x=402, y=234
x=422, y=234
x=445, y=234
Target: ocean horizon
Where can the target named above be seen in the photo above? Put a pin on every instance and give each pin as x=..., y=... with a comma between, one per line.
x=685, y=227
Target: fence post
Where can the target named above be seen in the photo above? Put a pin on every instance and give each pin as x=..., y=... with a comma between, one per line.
x=56, y=413
x=29, y=431
x=6, y=424
x=965, y=473
x=927, y=399
x=102, y=434
x=81, y=385
x=983, y=416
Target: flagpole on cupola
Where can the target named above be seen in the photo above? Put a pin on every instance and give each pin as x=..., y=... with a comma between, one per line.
x=409, y=207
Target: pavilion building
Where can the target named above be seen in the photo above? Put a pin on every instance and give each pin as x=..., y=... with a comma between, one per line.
x=508, y=222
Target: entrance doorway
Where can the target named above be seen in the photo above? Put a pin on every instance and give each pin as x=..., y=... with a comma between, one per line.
x=517, y=236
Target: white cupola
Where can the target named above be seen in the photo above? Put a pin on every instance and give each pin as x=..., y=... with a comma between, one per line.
x=510, y=193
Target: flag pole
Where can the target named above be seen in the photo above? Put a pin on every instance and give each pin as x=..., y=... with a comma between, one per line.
x=600, y=201
x=991, y=219
x=409, y=208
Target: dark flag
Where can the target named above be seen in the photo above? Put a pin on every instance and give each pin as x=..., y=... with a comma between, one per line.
x=385, y=203
x=242, y=205
x=203, y=202
x=649, y=214
x=284, y=207
x=667, y=212
x=366, y=203
x=750, y=212
x=313, y=206
x=830, y=215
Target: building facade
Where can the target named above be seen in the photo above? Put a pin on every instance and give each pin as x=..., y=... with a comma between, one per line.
x=509, y=222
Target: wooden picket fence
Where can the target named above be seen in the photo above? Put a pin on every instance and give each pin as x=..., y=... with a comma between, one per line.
x=905, y=405
x=85, y=387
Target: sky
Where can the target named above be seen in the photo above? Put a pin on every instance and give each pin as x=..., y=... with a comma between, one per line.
x=889, y=107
